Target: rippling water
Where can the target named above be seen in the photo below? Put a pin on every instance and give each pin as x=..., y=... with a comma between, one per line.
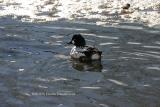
x=36, y=70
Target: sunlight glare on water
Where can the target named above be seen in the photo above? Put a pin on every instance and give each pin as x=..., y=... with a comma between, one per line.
x=101, y=11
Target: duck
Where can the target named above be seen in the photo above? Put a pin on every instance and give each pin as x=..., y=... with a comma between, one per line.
x=82, y=52
x=126, y=6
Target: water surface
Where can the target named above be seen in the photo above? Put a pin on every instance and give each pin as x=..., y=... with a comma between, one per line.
x=36, y=70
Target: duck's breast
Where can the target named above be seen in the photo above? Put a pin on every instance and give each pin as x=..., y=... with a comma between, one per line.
x=76, y=53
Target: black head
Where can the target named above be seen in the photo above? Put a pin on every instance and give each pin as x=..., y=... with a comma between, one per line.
x=78, y=40
x=127, y=6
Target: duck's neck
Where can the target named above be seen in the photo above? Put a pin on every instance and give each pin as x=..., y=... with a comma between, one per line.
x=80, y=47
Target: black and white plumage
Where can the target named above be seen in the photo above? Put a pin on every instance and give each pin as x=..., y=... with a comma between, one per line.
x=82, y=52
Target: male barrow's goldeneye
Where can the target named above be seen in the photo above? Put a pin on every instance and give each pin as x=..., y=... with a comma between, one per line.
x=82, y=52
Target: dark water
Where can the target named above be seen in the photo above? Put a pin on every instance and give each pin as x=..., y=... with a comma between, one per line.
x=36, y=71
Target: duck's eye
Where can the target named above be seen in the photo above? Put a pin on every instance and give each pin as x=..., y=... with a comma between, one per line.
x=73, y=42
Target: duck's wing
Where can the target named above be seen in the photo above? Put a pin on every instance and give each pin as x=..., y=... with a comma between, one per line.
x=89, y=51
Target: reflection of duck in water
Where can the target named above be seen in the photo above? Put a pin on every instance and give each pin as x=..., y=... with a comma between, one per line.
x=94, y=66
x=82, y=52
